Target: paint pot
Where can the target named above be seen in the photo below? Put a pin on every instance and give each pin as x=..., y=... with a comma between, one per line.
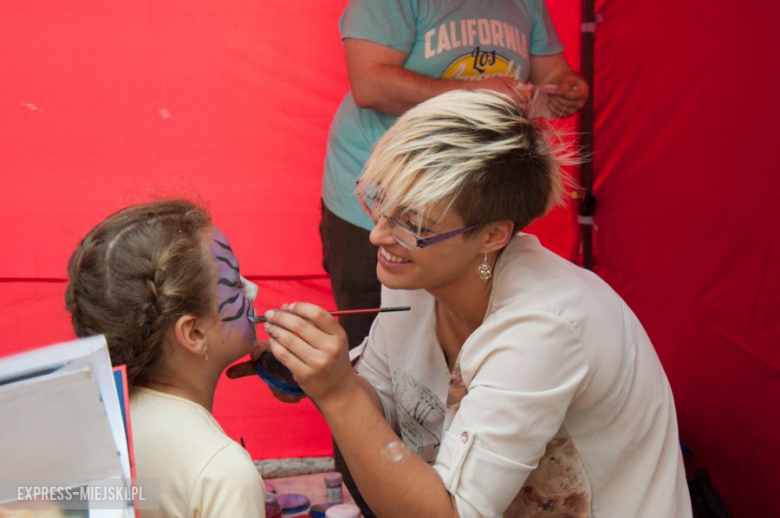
x=276, y=375
x=343, y=511
x=318, y=510
x=293, y=502
x=333, y=491
x=272, y=507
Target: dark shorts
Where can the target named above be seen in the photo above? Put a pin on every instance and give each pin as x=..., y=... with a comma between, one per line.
x=350, y=260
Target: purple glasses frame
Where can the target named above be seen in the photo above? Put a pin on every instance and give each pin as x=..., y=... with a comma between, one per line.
x=420, y=242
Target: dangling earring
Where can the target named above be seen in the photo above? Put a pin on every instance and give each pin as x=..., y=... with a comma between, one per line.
x=206, y=357
x=485, y=273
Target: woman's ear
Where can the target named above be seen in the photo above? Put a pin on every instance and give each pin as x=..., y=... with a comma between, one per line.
x=498, y=235
x=190, y=334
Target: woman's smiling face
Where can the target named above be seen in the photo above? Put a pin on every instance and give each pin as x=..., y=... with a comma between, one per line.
x=427, y=268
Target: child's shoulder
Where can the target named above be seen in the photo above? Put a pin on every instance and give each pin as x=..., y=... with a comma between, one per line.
x=229, y=485
x=231, y=461
x=174, y=428
x=180, y=442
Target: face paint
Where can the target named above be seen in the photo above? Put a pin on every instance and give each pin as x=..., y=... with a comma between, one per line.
x=233, y=303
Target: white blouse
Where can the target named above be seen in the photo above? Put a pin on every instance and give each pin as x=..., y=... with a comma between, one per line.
x=557, y=402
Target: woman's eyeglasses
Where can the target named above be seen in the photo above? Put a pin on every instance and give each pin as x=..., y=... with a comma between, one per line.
x=404, y=235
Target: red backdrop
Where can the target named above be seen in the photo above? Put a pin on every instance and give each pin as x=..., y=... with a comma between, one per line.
x=102, y=105
x=689, y=215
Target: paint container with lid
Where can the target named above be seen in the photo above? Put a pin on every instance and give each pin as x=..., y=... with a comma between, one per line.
x=272, y=507
x=318, y=510
x=293, y=503
x=276, y=375
x=333, y=491
x=343, y=511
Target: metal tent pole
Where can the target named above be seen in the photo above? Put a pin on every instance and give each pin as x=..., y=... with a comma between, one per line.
x=587, y=203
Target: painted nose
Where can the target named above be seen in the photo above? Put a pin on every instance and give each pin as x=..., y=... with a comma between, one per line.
x=250, y=288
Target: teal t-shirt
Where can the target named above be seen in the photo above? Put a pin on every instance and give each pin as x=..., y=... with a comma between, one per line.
x=448, y=39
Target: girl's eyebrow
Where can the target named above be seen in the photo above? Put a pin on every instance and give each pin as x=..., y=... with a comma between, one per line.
x=230, y=283
x=223, y=245
x=227, y=262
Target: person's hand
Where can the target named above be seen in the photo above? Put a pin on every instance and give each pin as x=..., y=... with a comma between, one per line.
x=309, y=342
x=569, y=97
x=247, y=368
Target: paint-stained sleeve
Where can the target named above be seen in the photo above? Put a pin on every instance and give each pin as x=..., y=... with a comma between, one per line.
x=387, y=22
x=521, y=374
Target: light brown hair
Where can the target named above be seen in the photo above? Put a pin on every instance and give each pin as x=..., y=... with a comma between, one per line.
x=135, y=274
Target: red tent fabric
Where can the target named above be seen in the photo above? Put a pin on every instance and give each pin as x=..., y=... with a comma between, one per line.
x=107, y=105
x=689, y=219
x=103, y=105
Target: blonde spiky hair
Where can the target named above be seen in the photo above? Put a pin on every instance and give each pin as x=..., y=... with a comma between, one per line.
x=475, y=149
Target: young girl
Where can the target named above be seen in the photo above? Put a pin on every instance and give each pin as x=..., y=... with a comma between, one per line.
x=163, y=285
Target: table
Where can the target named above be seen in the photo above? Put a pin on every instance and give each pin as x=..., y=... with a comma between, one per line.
x=312, y=486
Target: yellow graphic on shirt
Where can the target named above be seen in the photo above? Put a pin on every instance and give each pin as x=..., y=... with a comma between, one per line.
x=479, y=64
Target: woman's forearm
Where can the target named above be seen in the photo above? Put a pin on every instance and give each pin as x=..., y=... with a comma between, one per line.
x=380, y=82
x=406, y=487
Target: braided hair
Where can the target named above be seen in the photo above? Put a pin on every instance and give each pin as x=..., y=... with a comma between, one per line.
x=135, y=274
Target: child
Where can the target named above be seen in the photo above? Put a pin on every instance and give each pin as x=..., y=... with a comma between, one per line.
x=162, y=284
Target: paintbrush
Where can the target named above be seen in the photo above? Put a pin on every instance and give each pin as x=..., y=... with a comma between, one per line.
x=260, y=320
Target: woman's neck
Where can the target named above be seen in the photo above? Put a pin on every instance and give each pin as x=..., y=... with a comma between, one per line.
x=465, y=299
x=460, y=309
x=467, y=307
x=459, y=312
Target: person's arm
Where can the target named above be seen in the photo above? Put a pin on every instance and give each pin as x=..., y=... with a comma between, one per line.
x=401, y=488
x=379, y=81
x=572, y=93
x=247, y=368
x=370, y=391
x=521, y=380
x=313, y=346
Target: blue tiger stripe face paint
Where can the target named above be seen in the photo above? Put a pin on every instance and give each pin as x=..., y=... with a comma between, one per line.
x=235, y=294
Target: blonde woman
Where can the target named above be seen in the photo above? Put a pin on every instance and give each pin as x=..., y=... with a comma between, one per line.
x=519, y=384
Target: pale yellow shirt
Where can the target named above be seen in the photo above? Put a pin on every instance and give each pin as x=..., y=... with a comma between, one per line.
x=201, y=471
